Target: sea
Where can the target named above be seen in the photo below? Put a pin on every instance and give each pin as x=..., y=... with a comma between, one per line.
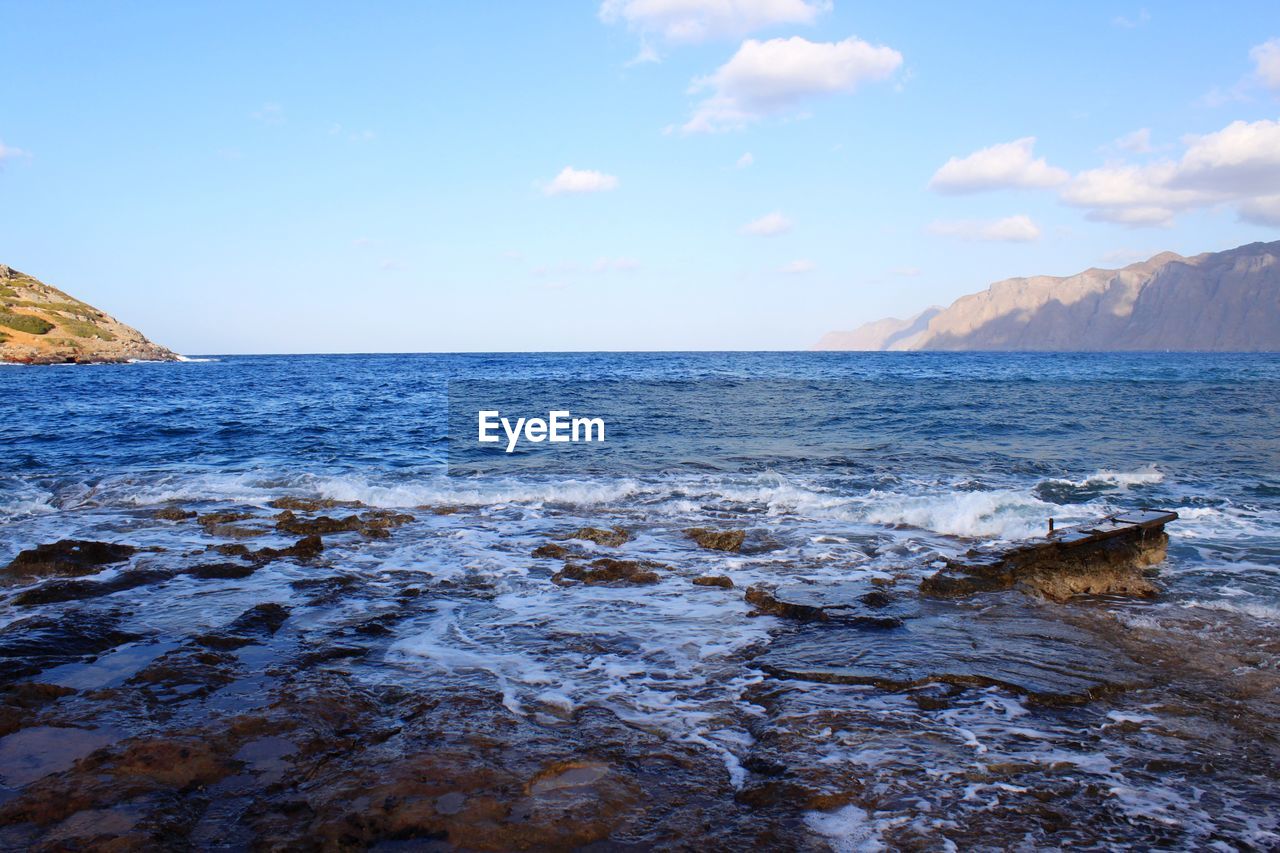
x=840, y=468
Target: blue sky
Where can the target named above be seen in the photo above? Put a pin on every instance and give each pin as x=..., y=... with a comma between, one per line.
x=311, y=177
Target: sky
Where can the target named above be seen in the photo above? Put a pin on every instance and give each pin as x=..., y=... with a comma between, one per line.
x=240, y=177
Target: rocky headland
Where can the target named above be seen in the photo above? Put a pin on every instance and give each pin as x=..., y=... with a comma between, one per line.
x=40, y=324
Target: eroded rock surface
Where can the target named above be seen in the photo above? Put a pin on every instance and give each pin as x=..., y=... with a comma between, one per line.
x=67, y=558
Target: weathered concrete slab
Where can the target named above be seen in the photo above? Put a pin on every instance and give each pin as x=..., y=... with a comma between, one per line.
x=1106, y=557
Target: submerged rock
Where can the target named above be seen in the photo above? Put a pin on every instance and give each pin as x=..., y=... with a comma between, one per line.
x=608, y=538
x=609, y=571
x=287, y=522
x=310, y=504
x=853, y=603
x=29, y=646
x=1110, y=557
x=67, y=558
x=717, y=540
x=1006, y=645
x=56, y=591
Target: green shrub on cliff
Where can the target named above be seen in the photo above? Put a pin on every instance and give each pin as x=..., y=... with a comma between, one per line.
x=84, y=330
x=7, y=292
x=25, y=323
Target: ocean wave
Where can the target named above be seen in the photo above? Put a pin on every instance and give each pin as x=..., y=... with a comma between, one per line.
x=1000, y=514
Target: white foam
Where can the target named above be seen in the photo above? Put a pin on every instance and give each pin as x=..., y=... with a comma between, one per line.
x=1000, y=514
x=848, y=829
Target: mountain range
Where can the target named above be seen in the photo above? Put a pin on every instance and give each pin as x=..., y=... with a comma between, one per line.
x=1214, y=302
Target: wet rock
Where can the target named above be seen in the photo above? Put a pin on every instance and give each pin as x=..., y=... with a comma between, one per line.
x=310, y=504
x=327, y=589
x=287, y=522
x=261, y=619
x=385, y=519
x=1110, y=557
x=608, y=538
x=213, y=519
x=19, y=703
x=328, y=654
x=29, y=646
x=35, y=752
x=184, y=674
x=306, y=548
x=67, y=558
x=848, y=603
x=607, y=571
x=717, y=540
x=1005, y=646
x=551, y=551
x=174, y=513
x=54, y=591
x=222, y=571
x=721, y=581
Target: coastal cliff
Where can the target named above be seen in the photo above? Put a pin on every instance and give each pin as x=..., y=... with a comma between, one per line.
x=40, y=324
x=1215, y=302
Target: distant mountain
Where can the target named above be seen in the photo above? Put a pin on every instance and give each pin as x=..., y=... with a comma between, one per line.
x=1218, y=301
x=40, y=324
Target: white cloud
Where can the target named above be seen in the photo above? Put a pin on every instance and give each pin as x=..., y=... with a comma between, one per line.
x=1011, y=229
x=1126, y=23
x=1266, y=63
x=799, y=267
x=615, y=265
x=1004, y=166
x=1139, y=141
x=1261, y=211
x=270, y=113
x=745, y=160
x=769, y=77
x=687, y=21
x=571, y=180
x=769, y=225
x=1239, y=164
x=8, y=152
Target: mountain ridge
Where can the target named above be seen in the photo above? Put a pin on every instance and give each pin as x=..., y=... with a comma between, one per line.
x=1225, y=301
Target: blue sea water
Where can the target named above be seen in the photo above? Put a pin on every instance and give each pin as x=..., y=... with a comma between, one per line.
x=849, y=465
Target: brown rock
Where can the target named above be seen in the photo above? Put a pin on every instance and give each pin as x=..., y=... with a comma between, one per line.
x=721, y=581
x=717, y=540
x=67, y=558
x=607, y=571
x=609, y=538
x=174, y=513
x=551, y=551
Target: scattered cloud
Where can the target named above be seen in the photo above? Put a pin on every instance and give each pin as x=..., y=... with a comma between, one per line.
x=9, y=152
x=1009, y=165
x=905, y=272
x=571, y=180
x=513, y=254
x=1239, y=164
x=362, y=242
x=352, y=135
x=1266, y=63
x=769, y=225
x=745, y=160
x=1137, y=142
x=1136, y=21
x=1011, y=229
x=770, y=77
x=269, y=113
x=1124, y=257
x=799, y=267
x=603, y=265
x=391, y=265
x=691, y=21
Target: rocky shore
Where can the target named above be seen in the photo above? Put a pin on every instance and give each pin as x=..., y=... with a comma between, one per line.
x=296, y=721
